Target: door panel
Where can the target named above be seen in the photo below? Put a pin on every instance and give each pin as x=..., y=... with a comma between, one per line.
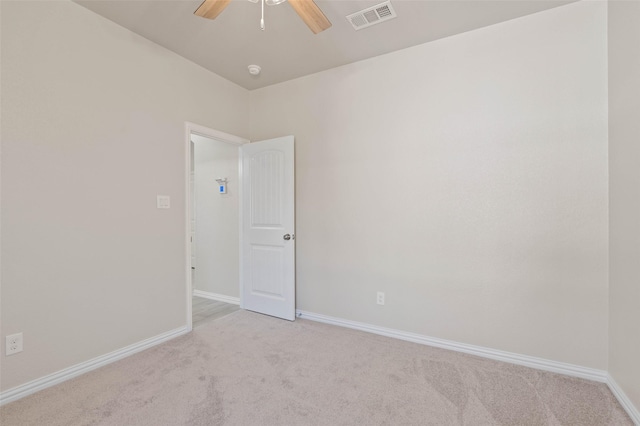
x=268, y=259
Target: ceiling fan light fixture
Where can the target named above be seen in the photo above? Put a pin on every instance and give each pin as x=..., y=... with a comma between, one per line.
x=307, y=10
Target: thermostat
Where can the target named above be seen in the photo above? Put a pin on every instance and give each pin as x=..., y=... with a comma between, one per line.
x=222, y=185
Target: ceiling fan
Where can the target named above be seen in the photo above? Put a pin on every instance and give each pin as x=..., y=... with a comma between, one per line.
x=306, y=9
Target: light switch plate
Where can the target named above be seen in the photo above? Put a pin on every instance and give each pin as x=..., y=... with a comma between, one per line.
x=164, y=202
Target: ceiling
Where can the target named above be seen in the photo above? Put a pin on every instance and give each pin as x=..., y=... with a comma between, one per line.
x=287, y=49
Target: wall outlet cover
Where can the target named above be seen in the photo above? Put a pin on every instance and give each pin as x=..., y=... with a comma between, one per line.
x=13, y=343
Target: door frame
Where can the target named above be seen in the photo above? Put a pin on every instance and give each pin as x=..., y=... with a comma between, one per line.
x=192, y=128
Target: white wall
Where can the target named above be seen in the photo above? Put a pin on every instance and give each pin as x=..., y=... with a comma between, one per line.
x=466, y=178
x=93, y=122
x=624, y=199
x=217, y=242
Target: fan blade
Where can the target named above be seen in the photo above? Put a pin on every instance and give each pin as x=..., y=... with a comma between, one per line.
x=210, y=9
x=311, y=15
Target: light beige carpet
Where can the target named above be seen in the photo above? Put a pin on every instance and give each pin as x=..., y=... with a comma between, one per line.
x=250, y=369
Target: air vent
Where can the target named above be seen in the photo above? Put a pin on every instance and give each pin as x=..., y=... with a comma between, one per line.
x=372, y=15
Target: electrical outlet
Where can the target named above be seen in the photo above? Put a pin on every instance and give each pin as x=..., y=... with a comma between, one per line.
x=14, y=343
x=380, y=298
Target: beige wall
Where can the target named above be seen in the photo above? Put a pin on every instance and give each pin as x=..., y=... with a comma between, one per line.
x=624, y=199
x=217, y=242
x=93, y=122
x=465, y=178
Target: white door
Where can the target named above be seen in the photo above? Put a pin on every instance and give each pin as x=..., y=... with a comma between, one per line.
x=268, y=244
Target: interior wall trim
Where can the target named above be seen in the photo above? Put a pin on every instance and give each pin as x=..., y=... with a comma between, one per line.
x=510, y=357
x=218, y=297
x=47, y=381
x=624, y=400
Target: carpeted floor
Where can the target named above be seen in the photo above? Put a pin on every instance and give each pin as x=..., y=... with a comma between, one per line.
x=250, y=369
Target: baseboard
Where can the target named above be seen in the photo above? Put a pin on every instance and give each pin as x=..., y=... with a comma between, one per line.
x=513, y=358
x=218, y=297
x=524, y=360
x=84, y=367
x=626, y=403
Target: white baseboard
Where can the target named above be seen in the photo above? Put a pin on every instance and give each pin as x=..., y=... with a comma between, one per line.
x=218, y=297
x=527, y=361
x=84, y=367
x=626, y=403
x=513, y=358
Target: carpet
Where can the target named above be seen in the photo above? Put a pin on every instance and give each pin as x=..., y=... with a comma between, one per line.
x=251, y=369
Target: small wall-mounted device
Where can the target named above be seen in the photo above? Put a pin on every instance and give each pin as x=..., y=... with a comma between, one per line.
x=222, y=185
x=163, y=201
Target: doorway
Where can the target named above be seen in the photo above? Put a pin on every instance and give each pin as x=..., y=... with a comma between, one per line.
x=213, y=224
x=263, y=249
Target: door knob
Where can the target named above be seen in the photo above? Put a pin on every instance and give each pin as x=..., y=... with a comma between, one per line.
x=287, y=237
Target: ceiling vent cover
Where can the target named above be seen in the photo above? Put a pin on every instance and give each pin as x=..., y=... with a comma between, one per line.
x=372, y=15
